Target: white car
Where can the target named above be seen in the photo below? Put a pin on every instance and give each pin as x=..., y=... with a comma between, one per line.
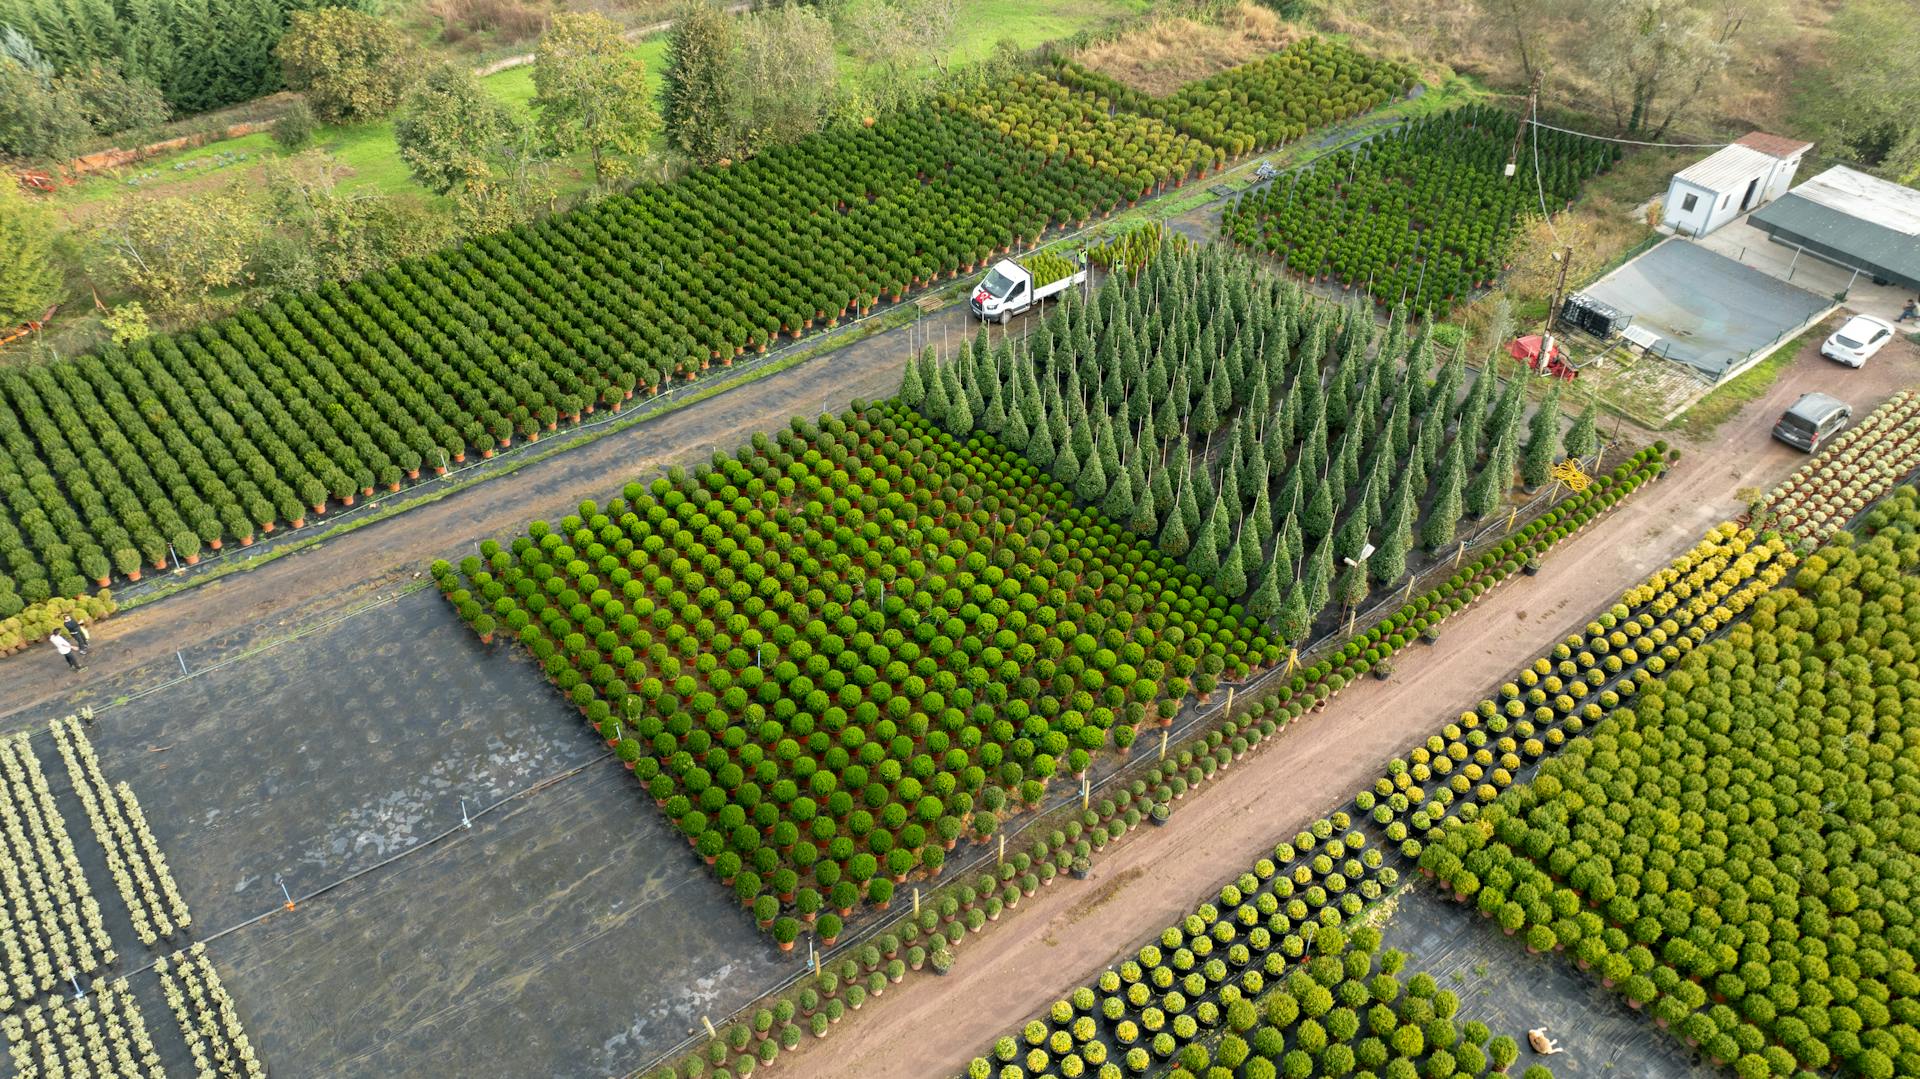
x=1857, y=341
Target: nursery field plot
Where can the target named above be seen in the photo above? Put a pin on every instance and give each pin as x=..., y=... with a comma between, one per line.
x=322, y=757
x=1709, y=310
x=1751, y=820
x=1509, y=990
x=555, y=939
x=325, y=755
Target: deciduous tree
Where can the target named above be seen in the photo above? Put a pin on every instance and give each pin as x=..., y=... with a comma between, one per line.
x=591, y=92
x=352, y=66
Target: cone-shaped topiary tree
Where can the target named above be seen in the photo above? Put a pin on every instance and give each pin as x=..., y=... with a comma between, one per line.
x=1230, y=578
x=1214, y=534
x=1389, y=560
x=1294, y=621
x=1444, y=513
x=1543, y=441
x=1271, y=594
x=913, y=390
x=1583, y=438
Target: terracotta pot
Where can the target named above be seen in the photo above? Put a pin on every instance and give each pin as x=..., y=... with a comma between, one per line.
x=193, y=560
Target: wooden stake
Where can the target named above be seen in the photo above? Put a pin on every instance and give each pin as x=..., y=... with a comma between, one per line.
x=1163, y=743
x=1003, y=850
x=916, y=902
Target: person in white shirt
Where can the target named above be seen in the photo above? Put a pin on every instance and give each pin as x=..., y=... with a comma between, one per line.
x=66, y=650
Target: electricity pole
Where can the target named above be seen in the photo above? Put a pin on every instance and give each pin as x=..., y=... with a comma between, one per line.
x=1520, y=130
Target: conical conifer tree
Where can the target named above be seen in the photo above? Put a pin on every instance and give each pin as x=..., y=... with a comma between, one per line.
x=1583, y=438
x=937, y=404
x=1204, y=559
x=1294, y=622
x=1249, y=543
x=1271, y=594
x=1389, y=561
x=912, y=391
x=1320, y=577
x=1066, y=465
x=1350, y=588
x=1543, y=441
x=1443, y=515
x=1174, y=539
x=1350, y=538
x=1015, y=435
x=1144, y=520
x=1116, y=501
x=1188, y=500
x=960, y=414
x=1040, y=444
x=1262, y=513
x=1230, y=579
x=1490, y=484
x=1317, y=517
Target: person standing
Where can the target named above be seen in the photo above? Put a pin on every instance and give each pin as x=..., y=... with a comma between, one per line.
x=66, y=650
x=77, y=633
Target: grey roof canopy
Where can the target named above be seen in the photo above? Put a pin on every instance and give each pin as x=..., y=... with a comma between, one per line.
x=1852, y=218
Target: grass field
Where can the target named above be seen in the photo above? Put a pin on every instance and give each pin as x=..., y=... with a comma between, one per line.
x=373, y=163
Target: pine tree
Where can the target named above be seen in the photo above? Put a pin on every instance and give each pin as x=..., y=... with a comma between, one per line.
x=1144, y=520
x=1117, y=504
x=1583, y=438
x=1389, y=561
x=1066, y=465
x=1351, y=587
x=1490, y=484
x=1295, y=622
x=1249, y=543
x=1204, y=559
x=1292, y=544
x=1188, y=502
x=1350, y=538
x=1161, y=482
x=1016, y=436
x=1543, y=439
x=1443, y=515
x=1271, y=595
x=1040, y=445
x=1320, y=577
x=1231, y=579
x=912, y=390
x=1317, y=517
x=1173, y=538
x=936, y=404
x=1262, y=513
x=960, y=412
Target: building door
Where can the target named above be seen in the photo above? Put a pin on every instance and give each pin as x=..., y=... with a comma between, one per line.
x=1747, y=199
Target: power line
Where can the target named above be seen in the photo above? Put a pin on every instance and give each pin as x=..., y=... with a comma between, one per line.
x=1538, y=187
x=1535, y=121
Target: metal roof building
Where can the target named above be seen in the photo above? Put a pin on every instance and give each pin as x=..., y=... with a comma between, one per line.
x=1859, y=221
x=1744, y=174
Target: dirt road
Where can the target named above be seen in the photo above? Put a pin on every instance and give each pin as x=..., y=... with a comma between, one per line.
x=1063, y=936
x=307, y=587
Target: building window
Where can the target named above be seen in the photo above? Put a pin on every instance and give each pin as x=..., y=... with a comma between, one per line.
x=1724, y=199
x=1687, y=204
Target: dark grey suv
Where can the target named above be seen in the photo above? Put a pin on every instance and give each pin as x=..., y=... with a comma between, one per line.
x=1813, y=419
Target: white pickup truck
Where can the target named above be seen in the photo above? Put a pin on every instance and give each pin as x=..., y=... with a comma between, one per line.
x=1009, y=289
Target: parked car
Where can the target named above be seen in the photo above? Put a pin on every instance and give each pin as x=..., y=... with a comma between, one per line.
x=1813, y=419
x=1855, y=343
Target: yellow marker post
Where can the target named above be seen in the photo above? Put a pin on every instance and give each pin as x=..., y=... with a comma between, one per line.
x=708, y=1023
x=1163, y=743
x=1293, y=659
x=1511, y=514
x=1003, y=849
x=1229, y=708
x=916, y=902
